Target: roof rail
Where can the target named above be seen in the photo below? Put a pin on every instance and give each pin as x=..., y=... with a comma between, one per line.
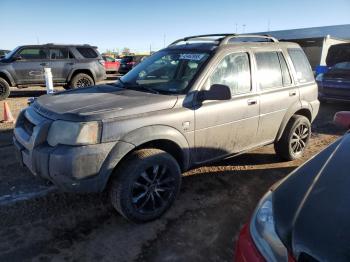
x=266, y=37
x=207, y=37
x=221, y=39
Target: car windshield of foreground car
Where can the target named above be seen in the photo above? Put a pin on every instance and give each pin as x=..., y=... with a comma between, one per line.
x=165, y=71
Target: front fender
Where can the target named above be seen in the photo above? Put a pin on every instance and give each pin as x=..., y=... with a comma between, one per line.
x=159, y=132
x=117, y=153
x=9, y=77
x=136, y=138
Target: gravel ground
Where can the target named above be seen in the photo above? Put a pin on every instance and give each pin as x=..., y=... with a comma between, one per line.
x=215, y=201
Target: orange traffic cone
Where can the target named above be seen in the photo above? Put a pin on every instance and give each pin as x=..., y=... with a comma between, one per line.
x=8, y=117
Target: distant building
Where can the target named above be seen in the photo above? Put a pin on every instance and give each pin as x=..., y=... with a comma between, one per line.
x=315, y=40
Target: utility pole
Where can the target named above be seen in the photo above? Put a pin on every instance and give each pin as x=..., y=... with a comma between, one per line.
x=244, y=25
x=268, y=25
x=236, y=28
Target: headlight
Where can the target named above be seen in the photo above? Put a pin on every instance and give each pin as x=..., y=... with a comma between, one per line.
x=319, y=77
x=74, y=133
x=262, y=229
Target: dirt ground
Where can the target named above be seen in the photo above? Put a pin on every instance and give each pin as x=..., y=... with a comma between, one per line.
x=40, y=224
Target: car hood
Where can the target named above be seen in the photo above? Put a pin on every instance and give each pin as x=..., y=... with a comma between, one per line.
x=100, y=102
x=311, y=206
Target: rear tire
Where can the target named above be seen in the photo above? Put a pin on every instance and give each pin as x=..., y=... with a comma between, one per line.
x=295, y=138
x=145, y=185
x=4, y=89
x=80, y=80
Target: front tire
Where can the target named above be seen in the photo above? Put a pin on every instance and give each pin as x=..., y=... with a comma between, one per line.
x=145, y=185
x=4, y=89
x=81, y=80
x=295, y=138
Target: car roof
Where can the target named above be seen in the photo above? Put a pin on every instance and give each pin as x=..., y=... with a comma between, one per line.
x=59, y=45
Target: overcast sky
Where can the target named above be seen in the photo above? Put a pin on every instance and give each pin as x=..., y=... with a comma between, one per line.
x=139, y=24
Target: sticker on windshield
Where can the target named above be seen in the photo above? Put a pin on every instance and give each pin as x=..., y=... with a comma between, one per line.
x=195, y=57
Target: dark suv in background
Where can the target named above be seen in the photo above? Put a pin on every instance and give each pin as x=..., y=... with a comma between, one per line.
x=72, y=66
x=129, y=62
x=3, y=53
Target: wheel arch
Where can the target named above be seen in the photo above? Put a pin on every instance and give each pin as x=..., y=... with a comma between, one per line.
x=161, y=137
x=7, y=77
x=74, y=72
x=305, y=110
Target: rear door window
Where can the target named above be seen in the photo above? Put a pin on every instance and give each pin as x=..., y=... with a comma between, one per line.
x=87, y=52
x=59, y=53
x=269, y=70
x=301, y=65
x=33, y=53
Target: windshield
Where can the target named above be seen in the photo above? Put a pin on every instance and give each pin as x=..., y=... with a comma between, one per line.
x=337, y=54
x=166, y=71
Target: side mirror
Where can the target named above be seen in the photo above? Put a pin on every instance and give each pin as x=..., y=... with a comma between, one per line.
x=17, y=57
x=216, y=92
x=342, y=118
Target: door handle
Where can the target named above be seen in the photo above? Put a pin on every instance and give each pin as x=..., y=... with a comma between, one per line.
x=292, y=93
x=43, y=64
x=252, y=102
x=71, y=63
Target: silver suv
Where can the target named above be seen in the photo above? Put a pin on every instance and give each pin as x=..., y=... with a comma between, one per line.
x=201, y=99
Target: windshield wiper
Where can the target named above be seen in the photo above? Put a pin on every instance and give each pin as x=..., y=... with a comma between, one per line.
x=147, y=89
x=135, y=86
x=138, y=86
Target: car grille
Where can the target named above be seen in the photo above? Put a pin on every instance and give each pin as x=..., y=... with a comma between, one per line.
x=28, y=126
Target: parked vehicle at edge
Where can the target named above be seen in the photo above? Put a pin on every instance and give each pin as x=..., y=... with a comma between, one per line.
x=188, y=104
x=4, y=52
x=335, y=83
x=129, y=62
x=111, y=64
x=71, y=65
x=304, y=217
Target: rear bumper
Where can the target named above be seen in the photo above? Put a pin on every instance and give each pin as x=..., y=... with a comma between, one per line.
x=334, y=91
x=331, y=97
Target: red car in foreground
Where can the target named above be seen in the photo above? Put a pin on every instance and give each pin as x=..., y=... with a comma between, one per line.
x=304, y=217
x=111, y=65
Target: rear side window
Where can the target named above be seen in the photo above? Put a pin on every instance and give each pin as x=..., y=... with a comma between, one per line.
x=287, y=80
x=33, y=53
x=269, y=70
x=59, y=53
x=233, y=71
x=301, y=65
x=108, y=59
x=87, y=52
